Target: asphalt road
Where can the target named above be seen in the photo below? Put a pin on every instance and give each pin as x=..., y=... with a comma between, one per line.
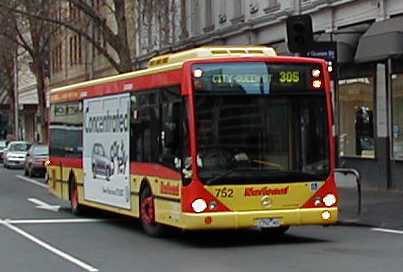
x=48, y=238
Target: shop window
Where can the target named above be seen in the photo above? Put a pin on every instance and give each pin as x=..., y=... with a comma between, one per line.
x=397, y=117
x=356, y=117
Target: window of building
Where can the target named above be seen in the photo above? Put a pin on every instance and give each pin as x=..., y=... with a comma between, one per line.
x=397, y=116
x=356, y=117
x=238, y=12
x=209, y=16
x=195, y=17
x=74, y=12
x=56, y=58
x=75, y=49
x=272, y=5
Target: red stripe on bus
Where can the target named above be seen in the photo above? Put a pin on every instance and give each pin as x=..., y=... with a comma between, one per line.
x=66, y=162
x=153, y=169
x=135, y=84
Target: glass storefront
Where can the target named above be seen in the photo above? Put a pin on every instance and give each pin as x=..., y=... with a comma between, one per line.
x=397, y=116
x=356, y=117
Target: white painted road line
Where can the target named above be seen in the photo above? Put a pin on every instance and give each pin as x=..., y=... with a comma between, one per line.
x=56, y=221
x=388, y=230
x=43, y=205
x=32, y=181
x=50, y=248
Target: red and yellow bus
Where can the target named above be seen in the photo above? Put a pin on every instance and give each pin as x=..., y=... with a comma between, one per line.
x=209, y=138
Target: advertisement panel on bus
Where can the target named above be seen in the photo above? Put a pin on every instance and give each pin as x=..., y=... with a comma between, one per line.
x=106, y=143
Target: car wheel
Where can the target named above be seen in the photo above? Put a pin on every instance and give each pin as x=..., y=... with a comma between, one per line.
x=30, y=172
x=147, y=214
x=46, y=177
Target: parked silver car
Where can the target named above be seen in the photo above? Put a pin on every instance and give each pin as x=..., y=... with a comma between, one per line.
x=15, y=153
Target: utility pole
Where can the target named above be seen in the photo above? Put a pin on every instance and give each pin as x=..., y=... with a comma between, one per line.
x=16, y=104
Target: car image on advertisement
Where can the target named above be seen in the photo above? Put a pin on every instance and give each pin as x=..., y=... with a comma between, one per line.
x=101, y=165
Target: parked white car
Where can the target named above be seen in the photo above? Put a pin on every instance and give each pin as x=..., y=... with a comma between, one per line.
x=15, y=153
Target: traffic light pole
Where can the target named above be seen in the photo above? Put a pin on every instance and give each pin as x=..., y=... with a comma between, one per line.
x=298, y=7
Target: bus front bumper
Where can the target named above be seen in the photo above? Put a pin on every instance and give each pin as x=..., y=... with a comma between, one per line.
x=253, y=219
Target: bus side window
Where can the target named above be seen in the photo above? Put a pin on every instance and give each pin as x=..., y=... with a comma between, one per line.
x=144, y=127
x=170, y=126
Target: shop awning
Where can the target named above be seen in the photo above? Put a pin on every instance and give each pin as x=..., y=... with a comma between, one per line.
x=382, y=40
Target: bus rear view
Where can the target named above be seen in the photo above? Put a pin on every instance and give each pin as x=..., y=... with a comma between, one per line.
x=263, y=145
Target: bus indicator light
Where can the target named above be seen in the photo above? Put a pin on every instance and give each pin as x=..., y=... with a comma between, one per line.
x=198, y=73
x=326, y=215
x=213, y=205
x=316, y=73
x=317, y=84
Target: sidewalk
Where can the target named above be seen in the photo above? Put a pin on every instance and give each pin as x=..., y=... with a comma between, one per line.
x=383, y=209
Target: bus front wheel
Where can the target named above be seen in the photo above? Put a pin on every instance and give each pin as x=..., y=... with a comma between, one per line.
x=147, y=214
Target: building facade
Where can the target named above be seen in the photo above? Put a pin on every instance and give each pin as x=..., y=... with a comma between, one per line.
x=368, y=96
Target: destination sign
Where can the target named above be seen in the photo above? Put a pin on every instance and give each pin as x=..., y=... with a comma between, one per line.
x=253, y=78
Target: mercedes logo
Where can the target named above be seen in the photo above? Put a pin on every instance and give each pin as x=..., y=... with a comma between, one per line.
x=265, y=201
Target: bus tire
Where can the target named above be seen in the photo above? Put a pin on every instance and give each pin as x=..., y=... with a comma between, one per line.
x=147, y=214
x=76, y=208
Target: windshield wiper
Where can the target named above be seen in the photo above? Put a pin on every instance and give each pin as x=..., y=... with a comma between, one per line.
x=297, y=174
x=225, y=174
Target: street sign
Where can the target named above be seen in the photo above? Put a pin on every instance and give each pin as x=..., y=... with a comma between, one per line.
x=323, y=50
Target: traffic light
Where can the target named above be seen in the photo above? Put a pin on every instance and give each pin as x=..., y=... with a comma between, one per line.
x=299, y=33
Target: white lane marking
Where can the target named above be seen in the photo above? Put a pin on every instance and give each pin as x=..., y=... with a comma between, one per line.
x=388, y=230
x=50, y=248
x=43, y=205
x=56, y=221
x=33, y=181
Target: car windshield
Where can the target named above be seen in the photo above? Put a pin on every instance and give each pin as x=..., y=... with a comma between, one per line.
x=19, y=147
x=253, y=138
x=40, y=150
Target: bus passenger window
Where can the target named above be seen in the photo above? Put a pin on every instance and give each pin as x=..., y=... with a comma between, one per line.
x=170, y=127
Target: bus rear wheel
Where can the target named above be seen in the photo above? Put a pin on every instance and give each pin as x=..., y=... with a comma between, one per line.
x=147, y=214
x=76, y=208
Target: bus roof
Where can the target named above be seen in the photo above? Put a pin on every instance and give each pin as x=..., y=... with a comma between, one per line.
x=174, y=61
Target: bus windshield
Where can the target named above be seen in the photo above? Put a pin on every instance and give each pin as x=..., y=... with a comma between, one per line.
x=262, y=138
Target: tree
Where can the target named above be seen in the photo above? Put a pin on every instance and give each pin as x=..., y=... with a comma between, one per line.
x=7, y=57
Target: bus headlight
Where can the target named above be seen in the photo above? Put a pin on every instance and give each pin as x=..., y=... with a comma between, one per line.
x=329, y=200
x=199, y=205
